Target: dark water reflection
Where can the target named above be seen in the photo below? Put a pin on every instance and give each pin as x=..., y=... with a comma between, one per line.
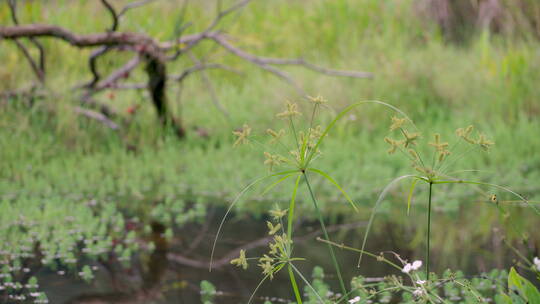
x=172, y=274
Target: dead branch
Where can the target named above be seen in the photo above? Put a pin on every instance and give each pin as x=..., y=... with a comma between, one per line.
x=114, y=15
x=121, y=73
x=96, y=116
x=133, y=5
x=266, y=61
x=225, y=260
x=199, y=67
x=210, y=87
x=146, y=43
x=155, y=54
x=39, y=70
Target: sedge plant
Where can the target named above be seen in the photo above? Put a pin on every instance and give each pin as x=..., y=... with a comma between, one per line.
x=298, y=158
x=432, y=162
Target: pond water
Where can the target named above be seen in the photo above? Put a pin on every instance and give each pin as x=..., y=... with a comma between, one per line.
x=173, y=272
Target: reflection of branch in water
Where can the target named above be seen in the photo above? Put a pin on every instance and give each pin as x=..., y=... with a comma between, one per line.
x=202, y=232
x=152, y=278
x=224, y=261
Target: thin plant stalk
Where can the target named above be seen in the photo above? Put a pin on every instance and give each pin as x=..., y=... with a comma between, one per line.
x=289, y=234
x=327, y=238
x=428, y=230
x=294, y=284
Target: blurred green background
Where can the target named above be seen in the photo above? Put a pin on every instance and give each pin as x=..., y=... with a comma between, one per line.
x=447, y=64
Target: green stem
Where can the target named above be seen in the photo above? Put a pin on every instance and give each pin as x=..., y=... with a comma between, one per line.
x=294, y=285
x=428, y=230
x=323, y=227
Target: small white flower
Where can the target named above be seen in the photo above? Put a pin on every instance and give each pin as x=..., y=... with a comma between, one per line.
x=537, y=263
x=418, y=292
x=421, y=282
x=410, y=267
x=407, y=268
x=355, y=300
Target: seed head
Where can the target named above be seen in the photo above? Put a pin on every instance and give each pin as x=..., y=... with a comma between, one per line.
x=484, y=143
x=273, y=229
x=319, y=100
x=410, y=138
x=466, y=134
x=273, y=160
x=242, y=135
x=276, y=136
x=396, y=123
x=241, y=261
x=292, y=110
x=277, y=214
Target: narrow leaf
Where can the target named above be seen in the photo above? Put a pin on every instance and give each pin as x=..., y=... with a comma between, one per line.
x=410, y=195
x=375, y=209
x=330, y=179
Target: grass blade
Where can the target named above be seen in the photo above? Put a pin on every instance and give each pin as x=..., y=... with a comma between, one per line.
x=271, y=186
x=379, y=200
x=323, y=227
x=330, y=179
x=294, y=285
x=276, y=269
x=410, y=195
x=292, y=204
x=307, y=283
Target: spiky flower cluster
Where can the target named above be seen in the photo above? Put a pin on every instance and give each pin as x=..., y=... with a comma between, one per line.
x=242, y=135
x=305, y=145
x=279, y=248
x=407, y=144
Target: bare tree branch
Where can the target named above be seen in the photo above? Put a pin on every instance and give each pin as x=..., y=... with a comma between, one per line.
x=96, y=116
x=211, y=90
x=113, y=13
x=258, y=60
x=178, y=78
x=199, y=67
x=133, y=5
x=155, y=54
x=39, y=70
x=92, y=63
x=225, y=259
x=222, y=14
x=120, y=73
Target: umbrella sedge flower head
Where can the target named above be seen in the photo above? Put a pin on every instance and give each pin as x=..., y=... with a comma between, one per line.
x=277, y=213
x=292, y=110
x=319, y=100
x=484, y=143
x=241, y=261
x=242, y=135
x=396, y=123
x=273, y=160
x=273, y=229
x=440, y=147
x=394, y=144
x=410, y=138
x=465, y=133
x=276, y=136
